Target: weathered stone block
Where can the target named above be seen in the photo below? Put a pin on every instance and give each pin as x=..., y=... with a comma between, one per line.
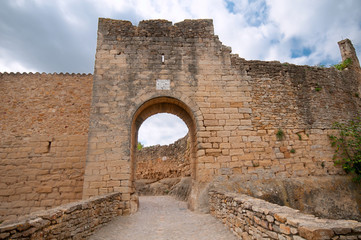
x=317, y=233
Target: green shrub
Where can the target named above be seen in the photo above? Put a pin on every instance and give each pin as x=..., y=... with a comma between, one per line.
x=342, y=65
x=348, y=147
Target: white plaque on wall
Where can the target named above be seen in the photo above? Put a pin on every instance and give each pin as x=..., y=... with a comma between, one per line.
x=163, y=84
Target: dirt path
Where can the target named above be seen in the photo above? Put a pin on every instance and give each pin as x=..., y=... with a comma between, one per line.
x=164, y=218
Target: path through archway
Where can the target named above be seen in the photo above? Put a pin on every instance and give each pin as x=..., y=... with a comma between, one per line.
x=163, y=105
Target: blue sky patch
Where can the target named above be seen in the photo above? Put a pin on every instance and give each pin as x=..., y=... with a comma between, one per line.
x=300, y=52
x=298, y=49
x=257, y=13
x=230, y=6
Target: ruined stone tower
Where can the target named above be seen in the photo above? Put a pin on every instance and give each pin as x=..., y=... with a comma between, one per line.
x=348, y=51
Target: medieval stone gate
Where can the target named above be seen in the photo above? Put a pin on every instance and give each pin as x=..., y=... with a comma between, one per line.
x=232, y=107
x=140, y=72
x=66, y=137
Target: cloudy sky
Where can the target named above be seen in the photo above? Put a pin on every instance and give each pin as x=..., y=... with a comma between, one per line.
x=60, y=35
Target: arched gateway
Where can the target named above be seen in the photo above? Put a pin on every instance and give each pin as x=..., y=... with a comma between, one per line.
x=141, y=71
x=165, y=105
x=251, y=123
x=232, y=107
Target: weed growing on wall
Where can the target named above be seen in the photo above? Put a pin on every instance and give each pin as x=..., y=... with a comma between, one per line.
x=342, y=65
x=348, y=147
x=280, y=134
x=140, y=146
x=318, y=88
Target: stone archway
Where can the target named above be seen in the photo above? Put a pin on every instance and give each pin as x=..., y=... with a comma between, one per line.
x=165, y=104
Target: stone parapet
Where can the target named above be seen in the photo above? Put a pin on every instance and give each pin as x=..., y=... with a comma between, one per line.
x=75, y=220
x=252, y=218
x=201, y=28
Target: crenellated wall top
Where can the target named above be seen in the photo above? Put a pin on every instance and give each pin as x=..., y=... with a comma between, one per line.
x=199, y=28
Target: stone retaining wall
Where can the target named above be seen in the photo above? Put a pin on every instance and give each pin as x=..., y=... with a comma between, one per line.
x=252, y=218
x=335, y=197
x=167, y=161
x=72, y=221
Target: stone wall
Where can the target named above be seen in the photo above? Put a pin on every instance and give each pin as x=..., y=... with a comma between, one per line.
x=168, y=161
x=291, y=96
x=75, y=220
x=163, y=170
x=251, y=218
x=232, y=107
x=44, y=104
x=335, y=197
x=44, y=127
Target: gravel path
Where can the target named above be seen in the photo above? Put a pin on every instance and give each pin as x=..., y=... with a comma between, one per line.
x=164, y=218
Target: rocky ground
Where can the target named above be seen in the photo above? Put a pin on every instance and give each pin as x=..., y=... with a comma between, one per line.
x=178, y=187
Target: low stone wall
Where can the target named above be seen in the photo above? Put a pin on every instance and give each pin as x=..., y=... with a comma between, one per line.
x=71, y=221
x=335, y=197
x=252, y=218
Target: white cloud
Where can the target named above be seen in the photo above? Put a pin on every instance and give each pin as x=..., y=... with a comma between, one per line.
x=7, y=64
x=317, y=25
x=161, y=129
x=258, y=29
x=60, y=35
x=14, y=67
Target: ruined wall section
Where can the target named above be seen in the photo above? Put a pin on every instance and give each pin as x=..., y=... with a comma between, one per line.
x=166, y=161
x=303, y=102
x=44, y=126
x=301, y=96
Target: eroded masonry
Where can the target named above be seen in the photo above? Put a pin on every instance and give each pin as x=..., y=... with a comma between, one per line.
x=66, y=137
